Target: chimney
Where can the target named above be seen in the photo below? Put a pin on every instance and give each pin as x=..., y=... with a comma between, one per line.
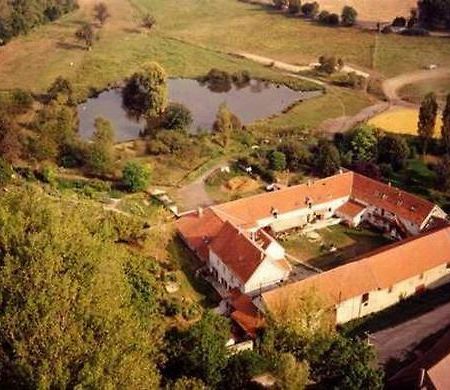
x=389, y=183
x=200, y=211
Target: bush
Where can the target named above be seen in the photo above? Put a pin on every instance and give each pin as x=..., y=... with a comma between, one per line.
x=6, y=172
x=277, y=161
x=350, y=80
x=329, y=19
x=135, y=176
x=49, y=174
x=177, y=117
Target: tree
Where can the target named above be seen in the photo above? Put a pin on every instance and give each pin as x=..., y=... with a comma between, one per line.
x=148, y=21
x=223, y=124
x=101, y=152
x=241, y=368
x=348, y=16
x=291, y=375
x=443, y=173
x=135, y=176
x=310, y=10
x=177, y=117
x=348, y=364
x=434, y=13
x=363, y=142
x=445, y=130
x=101, y=12
x=427, y=120
x=86, y=34
x=200, y=351
x=69, y=295
x=399, y=21
x=327, y=160
x=295, y=6
x=277, y=161
x=297, y=154
x=393, y=149
x=145, y=93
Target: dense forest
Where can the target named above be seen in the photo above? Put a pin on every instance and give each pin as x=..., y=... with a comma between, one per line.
x=20, y=16
x=435, y=13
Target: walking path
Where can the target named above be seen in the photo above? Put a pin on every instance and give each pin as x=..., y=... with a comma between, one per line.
x=194, y=194
x=396, y=342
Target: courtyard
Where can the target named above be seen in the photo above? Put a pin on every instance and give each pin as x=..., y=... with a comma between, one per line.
x=331, y=246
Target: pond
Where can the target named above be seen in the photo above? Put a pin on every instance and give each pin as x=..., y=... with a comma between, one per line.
x=255, y=100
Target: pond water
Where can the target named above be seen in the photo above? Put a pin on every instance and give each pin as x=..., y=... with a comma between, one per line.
x=256, y=100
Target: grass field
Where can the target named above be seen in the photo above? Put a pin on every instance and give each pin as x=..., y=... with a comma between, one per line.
x=350, y=243
x=402, y=121
x=415, y=92
x=191, y=37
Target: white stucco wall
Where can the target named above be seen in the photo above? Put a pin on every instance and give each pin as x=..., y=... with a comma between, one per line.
x=381, y=299
x=275, y=251
x=223, y=273
x=327, y=208
x=265, y=275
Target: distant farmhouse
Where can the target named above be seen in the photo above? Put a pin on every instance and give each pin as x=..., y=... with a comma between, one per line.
x=236, y=241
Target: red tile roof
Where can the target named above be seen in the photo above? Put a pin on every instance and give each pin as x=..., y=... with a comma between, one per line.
x=237, y=251
x=439, y=374
x=246, y=212
x=351, y=208
x=199, y=230
x=392, y=199
x=376, y=270
x=246, y=314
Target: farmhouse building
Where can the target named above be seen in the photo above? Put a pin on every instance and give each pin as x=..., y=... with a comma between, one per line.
x=235, y=239
x=377, y=280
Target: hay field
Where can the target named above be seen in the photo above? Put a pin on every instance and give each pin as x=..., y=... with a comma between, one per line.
x=401, y=121
x=372, y=10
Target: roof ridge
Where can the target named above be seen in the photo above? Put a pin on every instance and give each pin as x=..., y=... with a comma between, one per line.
x=287, y=189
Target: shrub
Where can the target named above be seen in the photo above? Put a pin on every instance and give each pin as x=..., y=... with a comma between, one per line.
x=350, y=80
x=329, y=19
x=6, y=172
x=135, y=176
x=277, y=161
x=280, y=4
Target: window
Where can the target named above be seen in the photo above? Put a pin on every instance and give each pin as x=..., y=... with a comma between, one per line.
x=421, y=276
x=447, y=265
x=365, y=299
x=390, y=289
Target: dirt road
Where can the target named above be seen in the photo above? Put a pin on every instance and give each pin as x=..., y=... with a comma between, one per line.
x=396, y=342
x=194, y=194
x=391, y=87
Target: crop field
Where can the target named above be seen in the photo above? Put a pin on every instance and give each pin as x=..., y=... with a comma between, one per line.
x=401, y=121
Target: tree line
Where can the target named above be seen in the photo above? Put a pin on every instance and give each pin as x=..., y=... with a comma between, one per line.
x=20, y=16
